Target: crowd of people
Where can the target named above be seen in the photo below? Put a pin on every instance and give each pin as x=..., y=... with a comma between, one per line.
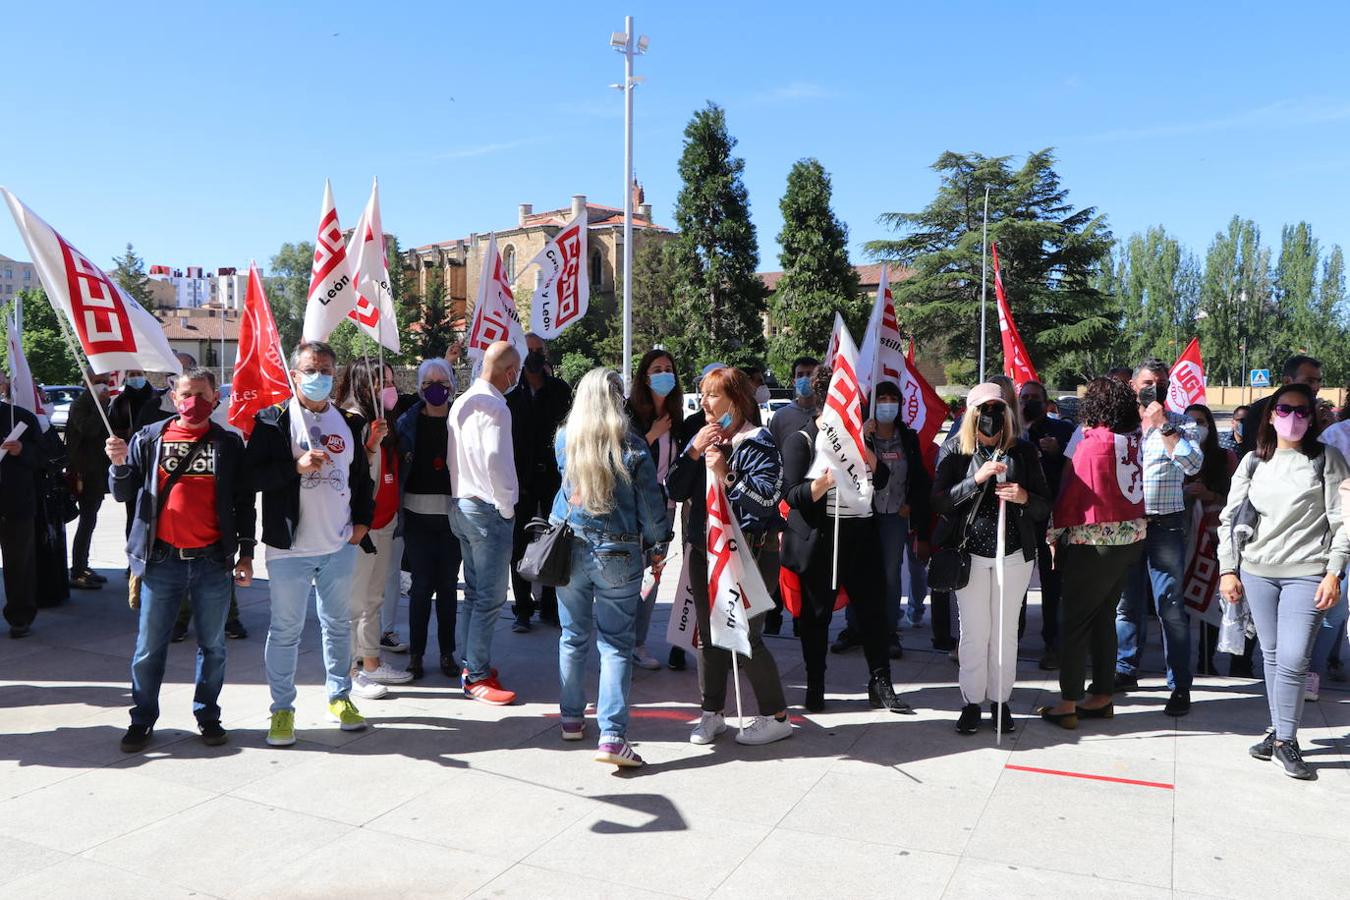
x=360, y=484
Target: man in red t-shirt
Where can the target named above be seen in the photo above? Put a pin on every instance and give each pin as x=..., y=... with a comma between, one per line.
x=185, y=479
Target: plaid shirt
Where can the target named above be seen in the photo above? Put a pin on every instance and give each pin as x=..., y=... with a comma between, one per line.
x=1164, y=473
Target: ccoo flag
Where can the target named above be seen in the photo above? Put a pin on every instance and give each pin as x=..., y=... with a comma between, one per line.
x=1186, y=381
x=1016, y=363
x=260, y=378
x=115, y=331
x=374, y=310
x=736, y=591
x=882, y=356
x=839, y=442
x=565, y=294
x=494, y=313
x=332, y=294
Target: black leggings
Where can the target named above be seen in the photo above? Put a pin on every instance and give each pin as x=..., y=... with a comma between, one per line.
x=862, y=576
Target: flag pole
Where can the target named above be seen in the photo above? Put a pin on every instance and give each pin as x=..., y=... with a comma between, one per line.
x=984, y=281
x=999, y=552
x=736, y=680
x=84, y=372
x=835, y=570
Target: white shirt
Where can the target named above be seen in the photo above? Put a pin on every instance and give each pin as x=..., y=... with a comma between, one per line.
x=325, y=496
x=479, y=449
x=1338, y=436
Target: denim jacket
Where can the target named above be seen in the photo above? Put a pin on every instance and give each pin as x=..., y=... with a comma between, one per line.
x=639, y=513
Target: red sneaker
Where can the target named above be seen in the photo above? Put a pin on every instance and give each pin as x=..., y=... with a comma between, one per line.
x=490, y=691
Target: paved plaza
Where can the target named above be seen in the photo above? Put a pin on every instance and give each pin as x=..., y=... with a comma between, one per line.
x=445, y=797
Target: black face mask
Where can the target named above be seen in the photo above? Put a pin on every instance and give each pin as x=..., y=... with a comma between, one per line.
x=1032, y=410
x=990, y=424
x=535, y=362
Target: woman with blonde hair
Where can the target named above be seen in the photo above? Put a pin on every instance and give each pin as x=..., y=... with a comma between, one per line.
x=989, y=466
x=611, y=500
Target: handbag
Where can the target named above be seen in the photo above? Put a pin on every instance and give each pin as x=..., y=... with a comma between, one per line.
x=949, y=567
x=134, y=581
x=548, y=557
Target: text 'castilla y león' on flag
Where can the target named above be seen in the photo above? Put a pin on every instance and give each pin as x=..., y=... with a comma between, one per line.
x=736, y=590
x=839, y=440
x=563, y=295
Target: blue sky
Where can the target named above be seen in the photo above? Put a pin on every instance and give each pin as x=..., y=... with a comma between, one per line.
x=203, y=132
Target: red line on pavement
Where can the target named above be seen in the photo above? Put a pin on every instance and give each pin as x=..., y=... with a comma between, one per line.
x=1155, y=784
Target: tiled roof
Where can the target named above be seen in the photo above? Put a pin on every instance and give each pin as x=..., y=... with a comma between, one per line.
x=198, y=328
x=869, y=276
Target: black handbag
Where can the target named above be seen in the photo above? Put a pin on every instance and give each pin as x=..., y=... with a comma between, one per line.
x=548, y=557
x=949, y=567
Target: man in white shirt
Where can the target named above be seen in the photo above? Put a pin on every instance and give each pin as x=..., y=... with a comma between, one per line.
x=483, y=481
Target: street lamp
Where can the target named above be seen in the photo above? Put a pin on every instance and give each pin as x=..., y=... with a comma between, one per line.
x=630, y=45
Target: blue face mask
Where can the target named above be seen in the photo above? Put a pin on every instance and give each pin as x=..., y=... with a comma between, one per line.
x=136, y=382
x=724, y=423
x=662, y=383
x=802, y=386
x=887, y=412
x=316, y=386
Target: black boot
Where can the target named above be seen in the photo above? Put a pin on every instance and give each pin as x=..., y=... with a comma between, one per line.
x=815, y=693
x=969, y=721
x=415, y=666
x=881, y=694
x=1000, y=711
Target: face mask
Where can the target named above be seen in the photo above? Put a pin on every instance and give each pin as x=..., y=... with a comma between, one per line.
x=1290, y=427
x=990, y=423
x=662, y=383
x=1032, y=410
x=436, y=394
x=136, y=382
x=887, y=412
x=316, y=386
x=194, y=410
x=762, y=394
x=724, y=423
x=389, y=397
x=1237, y=430
x=1202, y=433
x=802, y=386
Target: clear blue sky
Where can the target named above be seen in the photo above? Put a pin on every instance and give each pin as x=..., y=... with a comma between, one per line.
x=203, y=131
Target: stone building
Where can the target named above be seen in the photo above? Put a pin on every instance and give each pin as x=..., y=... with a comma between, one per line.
x=458, y=263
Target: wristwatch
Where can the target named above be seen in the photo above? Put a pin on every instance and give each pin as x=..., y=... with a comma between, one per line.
x=1168, y=429
x=730, y=479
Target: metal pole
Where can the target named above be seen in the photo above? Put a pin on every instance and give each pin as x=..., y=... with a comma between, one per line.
x=984, y=281
x=628, y=204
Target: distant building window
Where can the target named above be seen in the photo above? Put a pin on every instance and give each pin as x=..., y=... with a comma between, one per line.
x=27, y=274
x=9, y=273
x=509, y=263
x=596, y=268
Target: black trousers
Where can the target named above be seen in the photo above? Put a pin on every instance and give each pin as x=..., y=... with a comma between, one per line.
x=90, y=500
x=434, y=556
x=18, y=555
x=1095, y=576
x=529, y=507
x=862, y=576
x=941, y=620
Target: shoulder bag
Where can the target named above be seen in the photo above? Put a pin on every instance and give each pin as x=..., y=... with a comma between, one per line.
x=949, y=567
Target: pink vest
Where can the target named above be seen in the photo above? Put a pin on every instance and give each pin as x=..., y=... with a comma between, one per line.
x=1104, y=482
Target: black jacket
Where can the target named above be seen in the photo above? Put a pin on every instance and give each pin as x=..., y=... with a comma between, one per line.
x=808, y=518
x=535, y=419
x=955, y=489
x=758, y=474
x=127, y=408
x=19, y=473
x=138, y=480
x=271, y=469
x=85, y=437
x=1052, y=463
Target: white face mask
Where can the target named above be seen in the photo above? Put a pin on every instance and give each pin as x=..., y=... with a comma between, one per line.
x=762, y=394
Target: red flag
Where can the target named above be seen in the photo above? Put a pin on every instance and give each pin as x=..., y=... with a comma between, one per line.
x=1016, y=363
x=260, y=378
x=922, y=409
x=1186, y=381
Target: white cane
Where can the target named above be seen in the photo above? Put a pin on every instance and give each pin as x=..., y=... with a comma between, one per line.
x=999, y=551
x=736, y=681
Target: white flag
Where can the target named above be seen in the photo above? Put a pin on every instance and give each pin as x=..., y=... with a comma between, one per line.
x=839, y=328
x=332, y=292
x=736, y=591
x=494, y=312
x=565, y=294
x=682, y=628
x=23, y=390
x=882, y=355
x=374, y=310
x=839, y=442
x=114, y=330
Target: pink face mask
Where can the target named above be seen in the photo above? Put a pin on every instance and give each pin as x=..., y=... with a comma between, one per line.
x=389, y=397
x=1290, y=427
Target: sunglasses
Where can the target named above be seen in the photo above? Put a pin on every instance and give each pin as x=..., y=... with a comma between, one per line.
x=1284, y=409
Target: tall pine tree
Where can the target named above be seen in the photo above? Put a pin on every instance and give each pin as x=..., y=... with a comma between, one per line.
x=717, y=293
x=130, y=274
x=1051, y=255
x=817, y=275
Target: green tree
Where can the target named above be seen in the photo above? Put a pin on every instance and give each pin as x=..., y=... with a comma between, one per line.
x=1051, y=255
x=1158, y=290
x=433, y=319
x=288, y=288
x=43, y=345
x=1236, y=298
x=818, y=278
x=715, y=255
x=654, y=319
x=1329, y=341
x=130, y=274
x=1295, y=287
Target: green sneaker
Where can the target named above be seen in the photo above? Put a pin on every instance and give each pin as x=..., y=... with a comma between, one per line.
x=343, y=712
x=282, y=731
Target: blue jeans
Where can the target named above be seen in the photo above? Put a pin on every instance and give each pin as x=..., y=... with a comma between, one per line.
x=603, y=596
x=1162, y=566
x=485, y=542
x=291, y=578
x=1331, y=633
x=897, y=554
x=207, y=584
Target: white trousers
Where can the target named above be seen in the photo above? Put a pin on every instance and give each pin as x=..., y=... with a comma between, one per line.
x=978, y=602
x=368, y=584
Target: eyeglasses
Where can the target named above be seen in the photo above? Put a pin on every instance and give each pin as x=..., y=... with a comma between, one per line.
x=1284, y=409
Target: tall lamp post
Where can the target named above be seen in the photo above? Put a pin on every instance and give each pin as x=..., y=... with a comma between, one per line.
x=630, y=45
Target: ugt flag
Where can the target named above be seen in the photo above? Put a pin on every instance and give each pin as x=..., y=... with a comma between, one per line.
x=494, y=312
x=882, y=357
x=839, y=442
x=1016, y=363
x=565, y=294
x=735, y=589
x=1186, y=381
x=374, y=310
x=115, y=331
x=922, y=409
x=260, y=378
x=332, y=295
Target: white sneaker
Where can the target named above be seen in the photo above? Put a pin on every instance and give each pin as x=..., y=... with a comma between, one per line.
x=366, y=689
x=764, y=730
x=709, y=726
x=386, y=675
x=1313, y=690
x=644, y=659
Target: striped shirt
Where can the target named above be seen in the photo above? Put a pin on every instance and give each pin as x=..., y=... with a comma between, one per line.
x=1165, y=472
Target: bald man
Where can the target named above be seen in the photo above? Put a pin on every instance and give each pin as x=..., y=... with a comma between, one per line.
x=483, y=478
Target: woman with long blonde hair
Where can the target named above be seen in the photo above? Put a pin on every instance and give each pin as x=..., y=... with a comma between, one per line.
x=611, y=500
